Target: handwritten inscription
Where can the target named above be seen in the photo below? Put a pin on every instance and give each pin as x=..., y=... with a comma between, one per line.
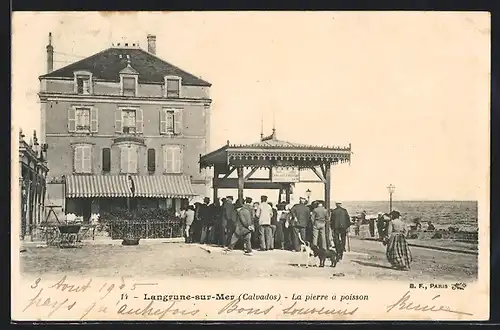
x=406, y=304
x=234, y=307
x=93, y=299
x=160, y=313
x=53, y=305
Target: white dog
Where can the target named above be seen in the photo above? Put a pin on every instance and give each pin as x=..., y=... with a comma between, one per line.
x=305, y=251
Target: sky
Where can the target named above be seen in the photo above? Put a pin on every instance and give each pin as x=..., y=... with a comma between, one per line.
x=408, y=90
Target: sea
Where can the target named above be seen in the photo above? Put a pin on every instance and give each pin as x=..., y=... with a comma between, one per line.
x=443, y=214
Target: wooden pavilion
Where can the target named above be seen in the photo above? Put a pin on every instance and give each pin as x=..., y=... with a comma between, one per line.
x=277, y=156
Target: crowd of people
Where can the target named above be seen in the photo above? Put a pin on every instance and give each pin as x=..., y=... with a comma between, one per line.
x=264, y=226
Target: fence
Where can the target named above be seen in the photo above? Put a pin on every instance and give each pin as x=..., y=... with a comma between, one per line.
x=115, y=229
x=145, y=229
x=49, y=232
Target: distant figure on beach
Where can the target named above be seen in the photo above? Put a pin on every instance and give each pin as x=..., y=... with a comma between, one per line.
x=398, y=252
x=381, y=226
x=430, y=226
x=371, y=226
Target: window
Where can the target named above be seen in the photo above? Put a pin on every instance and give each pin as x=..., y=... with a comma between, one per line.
x=172, y=158
x=82, y=159
x=151, y=160
x=83, y=82
x=128, y=120
x=83, y=119
x=170, y=121
x=129, y=86
x=173, y=87
x=128, y=159
x=106, y=160
x=83, y=85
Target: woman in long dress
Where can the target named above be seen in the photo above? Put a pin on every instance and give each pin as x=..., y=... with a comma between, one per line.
x=398, y=252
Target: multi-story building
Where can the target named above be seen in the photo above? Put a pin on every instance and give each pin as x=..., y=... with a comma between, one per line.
x=124, y=123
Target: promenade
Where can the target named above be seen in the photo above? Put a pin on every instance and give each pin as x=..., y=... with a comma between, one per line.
x=366, y=261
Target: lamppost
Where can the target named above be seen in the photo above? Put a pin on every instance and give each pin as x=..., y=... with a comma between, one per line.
x=391, y=189
x=308, y=194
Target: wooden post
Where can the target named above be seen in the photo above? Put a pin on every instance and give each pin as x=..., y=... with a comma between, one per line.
x=327, y=185
x=327, y=201
x=287, y=194
x=214, y=187
x=241, y=184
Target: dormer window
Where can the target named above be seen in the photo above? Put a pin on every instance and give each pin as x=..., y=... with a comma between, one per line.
x=129, y=80
x=83, y=82
x=129, y=86
x=172, y=87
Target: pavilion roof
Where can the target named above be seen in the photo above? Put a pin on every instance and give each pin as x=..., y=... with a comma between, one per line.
x=271, y=148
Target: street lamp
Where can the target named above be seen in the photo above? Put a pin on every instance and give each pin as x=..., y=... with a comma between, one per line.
x=391, y=189
x=308, y=194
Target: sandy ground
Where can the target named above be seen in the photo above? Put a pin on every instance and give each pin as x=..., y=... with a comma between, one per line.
x=365, y=261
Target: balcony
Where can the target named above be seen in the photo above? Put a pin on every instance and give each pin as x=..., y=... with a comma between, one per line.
x=82, y=128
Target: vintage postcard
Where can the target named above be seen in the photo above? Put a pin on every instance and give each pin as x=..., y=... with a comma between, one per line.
x=250, y=166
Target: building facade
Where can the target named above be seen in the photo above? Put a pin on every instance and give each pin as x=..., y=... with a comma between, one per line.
x=32, y=181
x=123, y=126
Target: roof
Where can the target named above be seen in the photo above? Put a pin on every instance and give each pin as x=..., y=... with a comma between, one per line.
x=106, y=65
x=270, y=148
x=272, y=142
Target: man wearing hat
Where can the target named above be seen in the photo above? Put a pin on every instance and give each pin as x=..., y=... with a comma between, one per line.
x=243, y=227
x=340, y=222
x=227, y=225
x=371, y=226
x=301, y=215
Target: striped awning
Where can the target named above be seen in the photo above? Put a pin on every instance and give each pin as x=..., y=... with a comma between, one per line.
x=78, y=186
x=163, y=186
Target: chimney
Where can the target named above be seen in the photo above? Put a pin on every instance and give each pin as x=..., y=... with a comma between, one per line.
x=152, y=44
x=50, y=55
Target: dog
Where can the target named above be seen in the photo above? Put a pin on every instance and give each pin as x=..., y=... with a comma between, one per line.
x=306, y=251
x=324, y=254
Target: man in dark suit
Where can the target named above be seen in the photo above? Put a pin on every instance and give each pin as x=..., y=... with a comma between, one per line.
x=340, y=222
x=244, y=227
x=301, y=215
x=227, y=221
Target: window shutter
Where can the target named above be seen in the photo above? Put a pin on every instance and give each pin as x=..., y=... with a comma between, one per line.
x=118, y=121
x=106, y=159
x=132, y=162
x=124, y=159
x=163, y=121
x=77, y=160
x=71, y=120
x=178, y=159
x=167, y=159
x=94, y=120
x=178, y=122
x=151, y=160
x=139, y=121
x=87, y=159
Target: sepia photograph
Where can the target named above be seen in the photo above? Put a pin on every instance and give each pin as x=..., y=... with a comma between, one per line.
x=250, y=165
